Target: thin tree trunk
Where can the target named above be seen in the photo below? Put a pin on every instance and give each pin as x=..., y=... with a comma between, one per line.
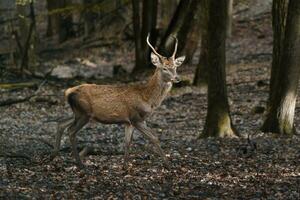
x=218, y=121
x=191, y=32
x=141, y=31
x=24, y=26
x=137, y=33
x=26, y=42
x=88, y=15
x=280, y=117
x=229, y=18
x=148, y=26
x=58, y=25
x=201, y=74
x=167, y=44
x=167, y=9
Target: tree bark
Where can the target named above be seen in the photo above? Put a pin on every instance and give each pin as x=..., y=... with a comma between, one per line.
x=218, y=121
x=201, y=73
x=280, y=116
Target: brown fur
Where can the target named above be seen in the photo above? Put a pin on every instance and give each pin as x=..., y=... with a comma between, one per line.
x=120, y=104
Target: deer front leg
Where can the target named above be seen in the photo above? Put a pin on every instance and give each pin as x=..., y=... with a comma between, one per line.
x=128, y=140
x=60, y=130
x=75, y=127
x=145, y=130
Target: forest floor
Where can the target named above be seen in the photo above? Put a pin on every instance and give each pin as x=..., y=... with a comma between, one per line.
x=200, y=168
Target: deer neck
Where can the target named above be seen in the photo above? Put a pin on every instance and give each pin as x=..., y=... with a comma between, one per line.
x=156, y=89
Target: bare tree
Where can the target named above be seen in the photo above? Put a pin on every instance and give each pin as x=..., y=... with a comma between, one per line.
x=218, y=121
x=280, y=116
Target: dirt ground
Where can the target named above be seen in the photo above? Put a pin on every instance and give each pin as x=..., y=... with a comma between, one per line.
x=266, y=168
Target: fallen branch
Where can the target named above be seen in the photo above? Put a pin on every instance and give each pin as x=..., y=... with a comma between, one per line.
x=18, y=85
x=20, y=100
x=8, y=102
x=15, y=155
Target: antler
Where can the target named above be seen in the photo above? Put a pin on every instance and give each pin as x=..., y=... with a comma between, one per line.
x=176, y=45
x=154, y=51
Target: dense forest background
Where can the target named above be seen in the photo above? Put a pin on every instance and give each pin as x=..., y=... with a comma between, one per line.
x=229, y=128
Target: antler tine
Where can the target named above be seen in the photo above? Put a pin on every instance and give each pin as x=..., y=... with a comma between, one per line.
x=153, y=49
x=176, y=45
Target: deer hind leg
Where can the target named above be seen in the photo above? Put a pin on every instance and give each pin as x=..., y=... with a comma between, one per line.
x=145, y=130
x=60, y=130
x=128, y=140
x=74, y=128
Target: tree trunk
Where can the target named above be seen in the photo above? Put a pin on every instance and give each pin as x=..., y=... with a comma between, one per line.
x=201, y=74
x=58, y=25
x=137, y=33
x=148, y=26
x=167, y=9
x=280, y=117
x=141, y=31
x=26, y=36
x=193, y=36
x=218, y=121
x=279, y=13
x=24, y=27
x=89, y=16
x=229, y=18
x=179, y=27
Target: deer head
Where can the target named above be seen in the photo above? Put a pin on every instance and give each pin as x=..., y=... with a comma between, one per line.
x=167, y=66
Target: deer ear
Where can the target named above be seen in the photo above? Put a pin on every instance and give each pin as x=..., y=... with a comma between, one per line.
x=155, y=59
x=179, y=61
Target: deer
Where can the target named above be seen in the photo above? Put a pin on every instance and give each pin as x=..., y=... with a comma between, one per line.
x=130, y=105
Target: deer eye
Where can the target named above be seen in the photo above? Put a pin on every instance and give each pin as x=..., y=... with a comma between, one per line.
x=165, y=69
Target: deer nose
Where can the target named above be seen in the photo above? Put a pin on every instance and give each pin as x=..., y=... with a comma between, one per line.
x=176, y=79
